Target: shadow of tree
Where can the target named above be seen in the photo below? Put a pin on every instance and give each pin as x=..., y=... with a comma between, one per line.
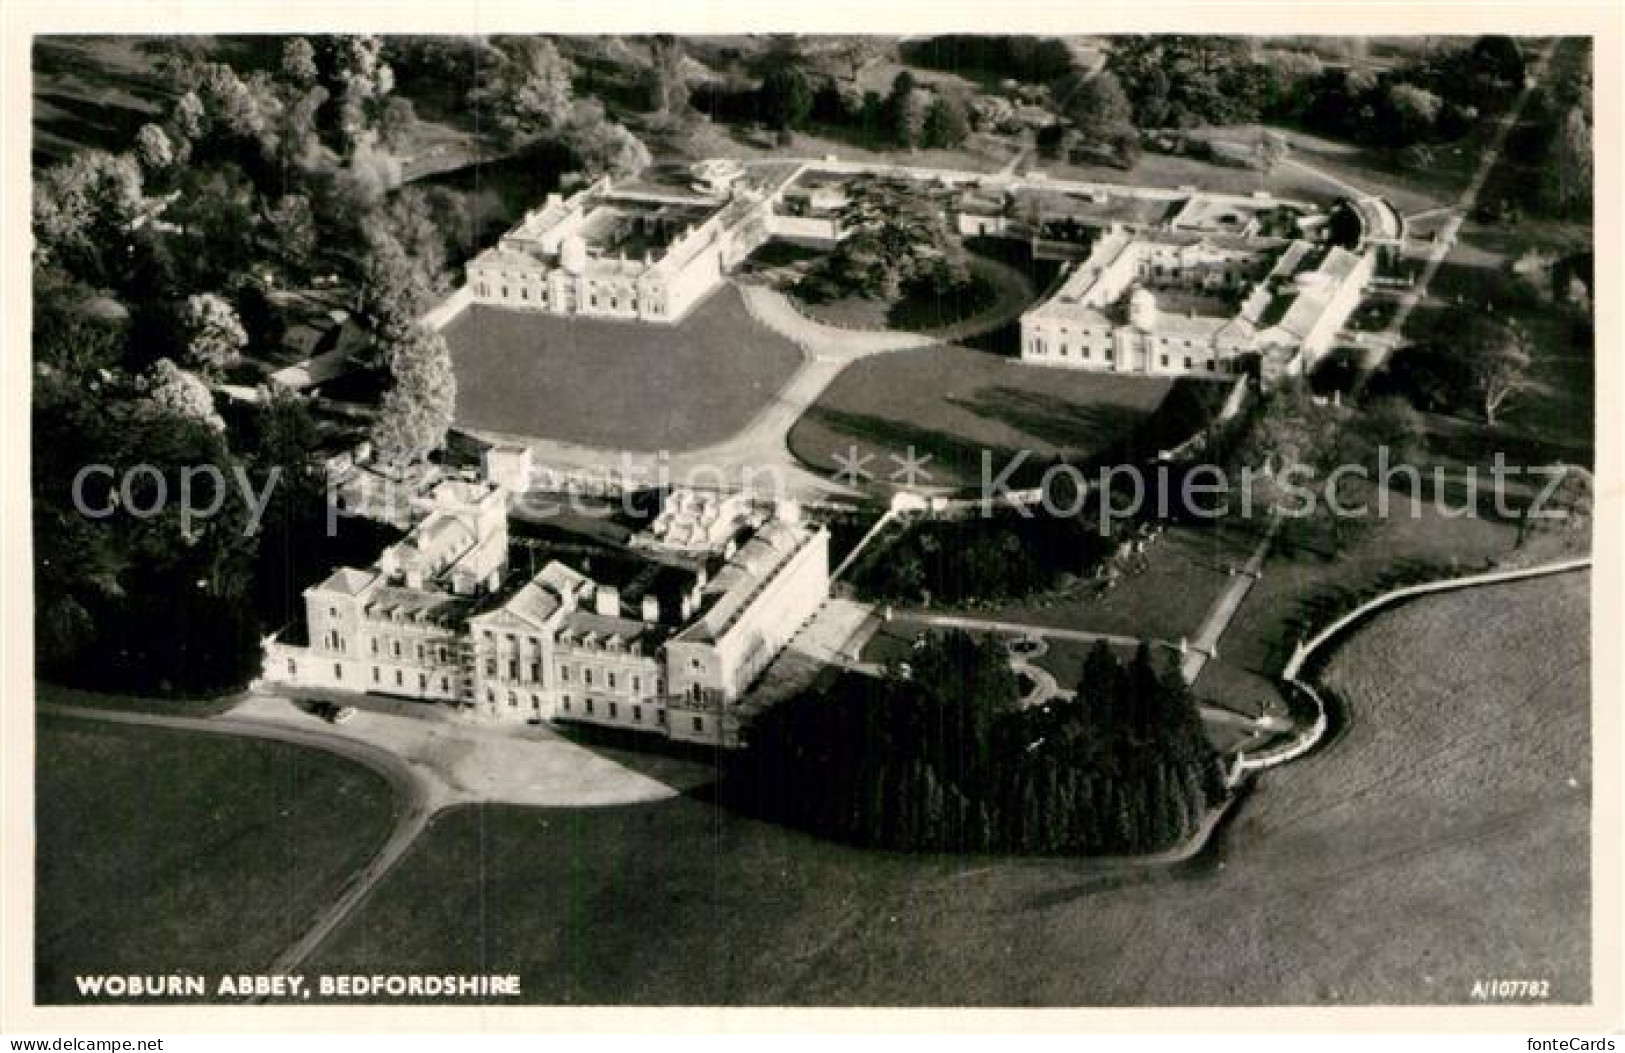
x=954, y=460
x=1066, y=425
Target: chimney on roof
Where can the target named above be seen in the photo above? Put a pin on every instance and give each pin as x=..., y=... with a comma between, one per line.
x=607, y=601
x=651, y=608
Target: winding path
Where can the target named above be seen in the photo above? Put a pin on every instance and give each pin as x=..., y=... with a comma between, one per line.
x=759, y=452
x=1311, y=736
x=429, y=766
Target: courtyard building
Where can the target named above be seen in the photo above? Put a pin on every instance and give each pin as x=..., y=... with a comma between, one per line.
x=1177, y=302
x=669, y=647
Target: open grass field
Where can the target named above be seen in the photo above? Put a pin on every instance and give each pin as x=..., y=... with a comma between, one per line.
x=1302, y=578
x=957, y=404
x=619, y=384
x=1424, y=851
x=1184, y=572
x=166, y=851
x=92, y=92
x=1558, y=405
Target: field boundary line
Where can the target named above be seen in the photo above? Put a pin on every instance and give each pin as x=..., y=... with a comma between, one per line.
x=1312, y=736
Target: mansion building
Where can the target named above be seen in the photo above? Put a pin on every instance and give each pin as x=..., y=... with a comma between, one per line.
x=668, y=647
x=1161, y=281
x=1180, y=302
x=633, y=252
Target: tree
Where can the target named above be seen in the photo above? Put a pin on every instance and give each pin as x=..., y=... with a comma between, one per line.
x=946, y=122
x=299, y=62
x=665, y=82
x=604, y=147
x=909, y=113
x=246, y=109
x=397, y=119
x=897, y=236
x=1270, y=149
x=83, y=212
x=293, y=227
x=1498, y=58
x=527, y=93
x=153, y=148
x=785, y=99
x=418, y=410
x=1495, y=357
x=1411, y=113
x=1571, y=166
x=1103, y=119
x=188, y=116
x=300, y=143
x=393, y=291
x=177, y=392
x=214, y=335
x=76, y=331
x=1567, y=507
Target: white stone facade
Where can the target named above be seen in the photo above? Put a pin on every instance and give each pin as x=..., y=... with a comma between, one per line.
x=439, y=619
x=1176, y=303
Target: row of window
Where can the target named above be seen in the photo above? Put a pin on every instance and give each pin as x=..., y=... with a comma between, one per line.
x=1211, y=364
x=422, y=680
x=614, y=713
x=698, y=722
x=421, y=652
x=1038, y=348
x=531, y=672
x=483, y=290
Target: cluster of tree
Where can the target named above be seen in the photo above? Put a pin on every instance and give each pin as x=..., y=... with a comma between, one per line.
x=1182, y=81
x=1034, y=59
x=130, y=593
x=897, y=240
x=936, y=756
x=146, y=293
x=793, y=96
x=1100, y=124
x=525, y=90
x=1472, y=362
x=1553, y=143
x=1296, y=445
x=984, y=558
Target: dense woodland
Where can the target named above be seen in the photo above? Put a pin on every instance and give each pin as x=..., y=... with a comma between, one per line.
x=937, y=757
x=156, y=267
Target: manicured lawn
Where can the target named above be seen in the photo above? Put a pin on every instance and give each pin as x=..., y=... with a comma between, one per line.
x=916, y=311
x=1440, y=834
x=1302, y=581
x=957, y=404
x=1185, y=570
x=163, y=851
x=627, y=385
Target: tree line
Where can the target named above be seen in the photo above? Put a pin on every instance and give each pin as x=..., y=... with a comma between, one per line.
x=938, y=757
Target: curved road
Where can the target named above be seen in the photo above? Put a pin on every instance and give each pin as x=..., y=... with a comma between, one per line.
x=759, y=452
x=414, y=805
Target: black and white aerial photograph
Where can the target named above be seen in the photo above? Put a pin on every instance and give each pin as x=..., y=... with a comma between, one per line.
x=1007, y=519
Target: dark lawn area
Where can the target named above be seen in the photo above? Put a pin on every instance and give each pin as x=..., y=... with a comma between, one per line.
x=92, y=92
x=1164, y=597
x=1302, y=582
x=627, y=385
x=917, y=310
x=165, y=851
x=1559, y=404
x=956, y=404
